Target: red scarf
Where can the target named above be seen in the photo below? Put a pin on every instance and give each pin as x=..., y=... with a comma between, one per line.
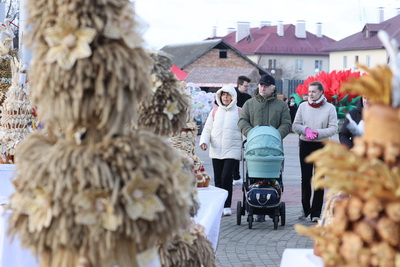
x=318, y=103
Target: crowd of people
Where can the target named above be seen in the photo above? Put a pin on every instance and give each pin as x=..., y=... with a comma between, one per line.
x=237, y=112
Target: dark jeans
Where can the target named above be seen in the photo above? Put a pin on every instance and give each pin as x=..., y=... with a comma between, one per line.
x=223, y=170
x=306, y=148
x=236, y=172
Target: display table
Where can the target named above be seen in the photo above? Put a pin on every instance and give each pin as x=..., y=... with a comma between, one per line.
x=300, y=257
x=212, y=201
x=11, y=253
x=7, y=173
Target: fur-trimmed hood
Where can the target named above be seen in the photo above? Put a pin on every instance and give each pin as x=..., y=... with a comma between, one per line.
x=230, y=90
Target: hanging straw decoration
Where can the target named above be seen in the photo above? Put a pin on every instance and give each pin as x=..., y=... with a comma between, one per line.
x=189, y=247
x=167, y=111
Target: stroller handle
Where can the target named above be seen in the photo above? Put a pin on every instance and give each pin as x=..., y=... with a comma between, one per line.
x=244, y=142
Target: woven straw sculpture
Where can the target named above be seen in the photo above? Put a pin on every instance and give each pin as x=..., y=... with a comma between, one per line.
x=100, y=192
x=166, y=113
x=16, y=113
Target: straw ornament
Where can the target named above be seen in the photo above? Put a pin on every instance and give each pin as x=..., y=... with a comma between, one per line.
x=167, y=111
x=112, y=77
x=131, y=188
x=189, y=247
x=101, y=192
x=16, y=113
x=68, y=43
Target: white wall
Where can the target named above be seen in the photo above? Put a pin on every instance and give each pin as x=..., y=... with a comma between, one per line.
x=287, y=63
x=377, y=57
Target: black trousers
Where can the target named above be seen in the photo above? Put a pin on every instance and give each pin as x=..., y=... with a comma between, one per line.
x=236, y=172
x=307, y=170
x=223, y=171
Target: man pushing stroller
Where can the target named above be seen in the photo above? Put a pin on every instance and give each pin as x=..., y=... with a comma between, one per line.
x=265, y=109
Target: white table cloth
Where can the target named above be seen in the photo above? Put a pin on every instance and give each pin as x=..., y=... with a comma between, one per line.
x=7, y=173
x=212, y=201
x=11, y=253
x=300, y=257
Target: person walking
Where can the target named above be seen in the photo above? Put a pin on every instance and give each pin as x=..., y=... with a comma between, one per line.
x=292, y=108
x=242, y=89
x=265, y=109
x=347, y=132
x=221, y=134
x=315, y=121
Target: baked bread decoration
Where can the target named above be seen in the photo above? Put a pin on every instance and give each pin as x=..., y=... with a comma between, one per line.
x=363, y=228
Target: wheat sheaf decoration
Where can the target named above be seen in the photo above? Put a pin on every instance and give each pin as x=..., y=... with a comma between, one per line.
x=167, y=111
x=91, y=191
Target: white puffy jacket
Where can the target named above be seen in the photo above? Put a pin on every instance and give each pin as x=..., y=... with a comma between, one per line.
x=221, y=132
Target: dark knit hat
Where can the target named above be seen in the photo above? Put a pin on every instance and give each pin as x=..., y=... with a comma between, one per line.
x=267, y=80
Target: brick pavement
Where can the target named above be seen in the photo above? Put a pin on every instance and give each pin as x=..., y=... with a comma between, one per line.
x=262, y=245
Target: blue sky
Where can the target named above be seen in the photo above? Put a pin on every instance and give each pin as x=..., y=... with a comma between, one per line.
x=181, y=21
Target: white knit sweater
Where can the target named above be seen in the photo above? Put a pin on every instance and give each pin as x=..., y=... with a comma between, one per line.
x=322, y=119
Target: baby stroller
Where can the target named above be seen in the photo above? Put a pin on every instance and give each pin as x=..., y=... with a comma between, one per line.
x=262, y=168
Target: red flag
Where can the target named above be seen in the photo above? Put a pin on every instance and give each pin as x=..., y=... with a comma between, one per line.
x=180, y=74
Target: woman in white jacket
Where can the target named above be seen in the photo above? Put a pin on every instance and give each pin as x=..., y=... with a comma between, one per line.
x=222, y=135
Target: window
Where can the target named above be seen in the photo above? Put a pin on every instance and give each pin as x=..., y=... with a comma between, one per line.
x=344, y=62
x=271, y=63
x=366, y=33
x=299, y=65
x=223, y=53
x=318, y=65
x=368, y=61
x=355, y=62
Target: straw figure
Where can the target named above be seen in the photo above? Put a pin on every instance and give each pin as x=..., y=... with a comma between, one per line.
x=6, y=56
x=91, y=191
x=167, y=111
x=363, y=228
x=16, y=114
x=167, y=114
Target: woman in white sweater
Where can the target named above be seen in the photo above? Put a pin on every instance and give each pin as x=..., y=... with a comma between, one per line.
x=315, y=121
x=223, y=136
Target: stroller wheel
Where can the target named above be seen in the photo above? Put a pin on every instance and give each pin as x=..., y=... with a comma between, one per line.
x=282, y=211
x=250, y=220
x=276, y=220
x=239, y=213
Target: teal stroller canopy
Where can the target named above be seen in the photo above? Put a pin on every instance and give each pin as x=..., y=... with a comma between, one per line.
x=264, y=152
x=264, y=141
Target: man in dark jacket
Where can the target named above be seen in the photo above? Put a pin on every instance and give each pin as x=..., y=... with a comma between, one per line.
x=345, y=135
x=242, y=90
x=265, y=109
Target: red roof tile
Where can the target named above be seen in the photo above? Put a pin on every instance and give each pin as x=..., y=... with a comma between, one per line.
x=265, y=40
x=357, y=41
